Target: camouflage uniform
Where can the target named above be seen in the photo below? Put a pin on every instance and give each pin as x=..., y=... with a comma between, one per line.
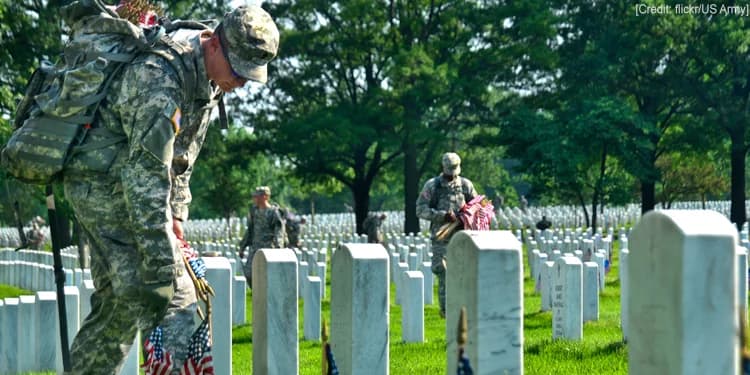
x=293, y=226
x=438, y=197
x=373, y=226
x=265, y=230
x=127, y=212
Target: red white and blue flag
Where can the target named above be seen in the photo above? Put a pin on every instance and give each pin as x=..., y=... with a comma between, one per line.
x=158, y=361
x=199, y=360
x=464, y=367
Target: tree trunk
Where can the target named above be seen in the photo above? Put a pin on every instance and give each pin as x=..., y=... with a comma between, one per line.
x=582, y=201
x=411, y=187
x=648, y=196
x=738, y=215
x=361, y=193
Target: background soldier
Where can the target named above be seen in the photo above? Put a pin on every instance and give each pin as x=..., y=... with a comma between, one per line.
x=373, y=226
x=439, y=202
x=293, y=225
x=35, y=235
x=265, y=228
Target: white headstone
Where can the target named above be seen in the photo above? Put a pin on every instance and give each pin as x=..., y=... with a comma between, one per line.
x=590, y=291
x=547, y=285
x=28, y=355
x=412, y=313
x=624, y=290
x=239, y=302
x=11, y=334
x=360, y=309
x=312, y=309
x=275, y=312
x=47, y=321
x=219, y=275
x=567, y=299
x=428, y=282
x=485, y=276
x=682, y=275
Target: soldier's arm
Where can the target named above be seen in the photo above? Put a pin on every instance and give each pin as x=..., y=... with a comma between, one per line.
x=279, y=232
x=180, y=194
x=150, y=123
x=424, y=211
x=470, y=187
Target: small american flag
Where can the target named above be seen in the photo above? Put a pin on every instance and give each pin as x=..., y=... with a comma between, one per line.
x=158, y=362
x=464, y=367
x=199, y=361
x=332, y=369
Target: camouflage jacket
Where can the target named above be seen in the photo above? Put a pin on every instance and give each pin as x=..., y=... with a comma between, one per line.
x=265, y=229
x=373, y=226
x=165, y=124
x=439, y=196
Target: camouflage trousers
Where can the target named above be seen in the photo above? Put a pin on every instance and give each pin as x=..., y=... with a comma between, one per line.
x=117, y=310
x=439, y=253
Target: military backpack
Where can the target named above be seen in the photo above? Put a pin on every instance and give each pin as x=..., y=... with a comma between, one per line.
x=55, y=120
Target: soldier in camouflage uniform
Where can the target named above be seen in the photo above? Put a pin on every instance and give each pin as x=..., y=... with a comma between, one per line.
x=132, y=213
x=439, y=202
x=35, y=236
x=265, y=229
x=373, y=226
x=293, y=225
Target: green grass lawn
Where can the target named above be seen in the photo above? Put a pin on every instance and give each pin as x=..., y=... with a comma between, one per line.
x=600, y=352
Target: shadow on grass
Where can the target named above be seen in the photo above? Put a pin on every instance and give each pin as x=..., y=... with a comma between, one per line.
x=610, y=349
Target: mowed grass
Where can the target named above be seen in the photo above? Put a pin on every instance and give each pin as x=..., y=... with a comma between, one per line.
x=600, y=352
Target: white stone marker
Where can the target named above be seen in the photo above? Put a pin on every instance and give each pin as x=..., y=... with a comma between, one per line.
x=275, y=313
x=428, y=282
x=27, y=340
x=360, y=309
x=239, y=304
x=412, y=313
x=742, y=279
x=624, y=290
x=547, y=285
x=485, y=275
x=47, y=321
x=600, y=259
x=682, y=275
x=567, y=299
x=312, y=309
x=590, y=291
x=10, y=335
x=219, y=275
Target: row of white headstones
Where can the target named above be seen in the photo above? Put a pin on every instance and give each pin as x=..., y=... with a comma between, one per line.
x=682, y=292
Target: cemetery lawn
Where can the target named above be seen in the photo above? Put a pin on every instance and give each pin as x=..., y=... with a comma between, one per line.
x=8, y=291
x=600, y=352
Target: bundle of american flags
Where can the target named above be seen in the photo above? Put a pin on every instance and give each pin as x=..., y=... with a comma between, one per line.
x=158, y=362
x=477, y=214
x=199, y=361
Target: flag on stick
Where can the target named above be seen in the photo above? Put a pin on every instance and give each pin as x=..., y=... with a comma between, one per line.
x=329, y=363
x=464, y=366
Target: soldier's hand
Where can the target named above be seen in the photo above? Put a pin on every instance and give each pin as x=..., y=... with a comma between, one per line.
x=450, y=217
x=177, y=229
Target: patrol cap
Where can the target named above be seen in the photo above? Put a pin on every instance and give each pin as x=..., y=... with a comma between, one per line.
x=451, y=164
x=250, y=40
x=262, y=190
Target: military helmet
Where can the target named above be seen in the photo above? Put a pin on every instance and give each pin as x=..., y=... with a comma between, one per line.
x=250, y=40
x=451, y=164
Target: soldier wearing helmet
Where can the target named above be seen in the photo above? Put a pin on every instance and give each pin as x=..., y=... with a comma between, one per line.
x=439, y=202
x=132, y=211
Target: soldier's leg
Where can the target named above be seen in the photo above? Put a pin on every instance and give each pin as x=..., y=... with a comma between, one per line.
x=438, y=268
x=118, y=309
x=178, y=325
